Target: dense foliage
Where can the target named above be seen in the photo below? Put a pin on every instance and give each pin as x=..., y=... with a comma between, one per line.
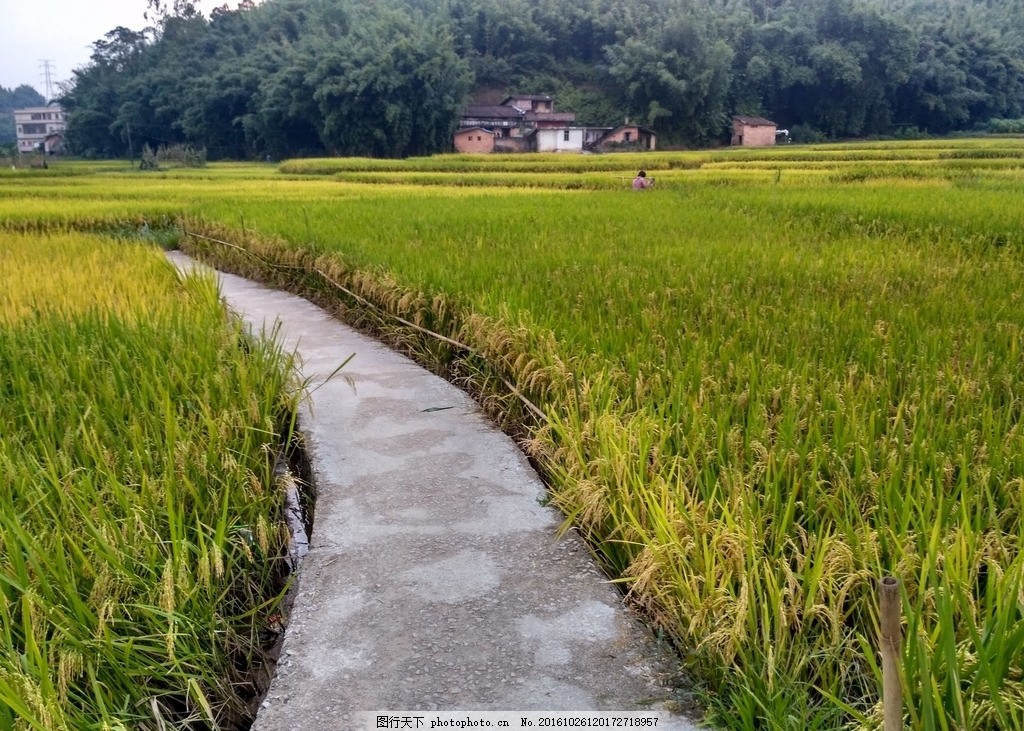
x=387, y=78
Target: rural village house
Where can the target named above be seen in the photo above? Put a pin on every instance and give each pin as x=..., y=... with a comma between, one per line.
x=474, y=139
x=40, y=129
x=529, y=123
x=753, y=131
x=53, y=144
x=627, y=135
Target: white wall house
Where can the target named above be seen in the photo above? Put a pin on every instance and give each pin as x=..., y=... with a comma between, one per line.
x=34, y=124
x=566, y=139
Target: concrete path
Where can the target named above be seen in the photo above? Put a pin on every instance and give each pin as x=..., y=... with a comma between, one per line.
x=435, y=580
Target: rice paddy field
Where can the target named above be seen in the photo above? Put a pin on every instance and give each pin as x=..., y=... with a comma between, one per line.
x=141, y=538
x=761, y=386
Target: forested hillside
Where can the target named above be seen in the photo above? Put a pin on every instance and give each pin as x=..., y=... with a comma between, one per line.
x=388, y=77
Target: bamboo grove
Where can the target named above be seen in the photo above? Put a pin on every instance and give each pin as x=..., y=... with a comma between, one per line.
x=290, y=78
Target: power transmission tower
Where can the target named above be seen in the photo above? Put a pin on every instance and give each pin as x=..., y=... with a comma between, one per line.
x=46, y=64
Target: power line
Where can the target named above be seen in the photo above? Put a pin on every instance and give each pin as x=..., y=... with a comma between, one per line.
x=46, y=64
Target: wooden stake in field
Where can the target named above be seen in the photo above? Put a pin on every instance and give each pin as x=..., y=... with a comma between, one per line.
x=891, y=634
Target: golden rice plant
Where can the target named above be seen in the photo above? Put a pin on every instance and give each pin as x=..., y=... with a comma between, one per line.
x=141, y=528
x=766, y=383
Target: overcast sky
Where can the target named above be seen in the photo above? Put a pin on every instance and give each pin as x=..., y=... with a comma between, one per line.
x=61, y=31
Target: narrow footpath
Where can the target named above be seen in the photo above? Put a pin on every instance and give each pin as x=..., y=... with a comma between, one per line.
x=435, y=580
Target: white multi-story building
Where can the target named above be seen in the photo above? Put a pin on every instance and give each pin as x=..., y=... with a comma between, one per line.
x=40, y=128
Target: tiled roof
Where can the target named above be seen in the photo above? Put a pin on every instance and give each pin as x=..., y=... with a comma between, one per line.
x=754, y=121
x=528, y=98
x=611, y=131
x=550, y=116
x=491, y=112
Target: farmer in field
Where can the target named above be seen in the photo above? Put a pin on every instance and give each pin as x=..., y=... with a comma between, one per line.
x=641, y=181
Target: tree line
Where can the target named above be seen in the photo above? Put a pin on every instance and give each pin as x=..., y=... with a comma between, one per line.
x=388, y=78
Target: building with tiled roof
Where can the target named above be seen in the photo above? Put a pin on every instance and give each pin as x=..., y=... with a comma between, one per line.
x=512, y=122
x=753, y=131
x=529, y=123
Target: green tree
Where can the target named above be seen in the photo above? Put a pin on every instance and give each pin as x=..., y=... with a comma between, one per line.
x=388, y=77
x=394, y=88
x=99, y=97
x=676, y=80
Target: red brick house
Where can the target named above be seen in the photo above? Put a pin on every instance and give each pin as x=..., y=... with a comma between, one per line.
x=753, y=131
x=474, y=139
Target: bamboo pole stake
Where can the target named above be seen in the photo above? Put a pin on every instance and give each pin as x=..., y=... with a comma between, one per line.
x=891, y=637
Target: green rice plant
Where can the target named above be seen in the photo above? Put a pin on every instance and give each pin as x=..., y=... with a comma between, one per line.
x=748, y=488
x=497, y=163
x=566, y=181
x=140, y=523
x=766, y=383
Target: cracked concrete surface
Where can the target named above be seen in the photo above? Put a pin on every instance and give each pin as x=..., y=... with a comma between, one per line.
x=435, y=580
